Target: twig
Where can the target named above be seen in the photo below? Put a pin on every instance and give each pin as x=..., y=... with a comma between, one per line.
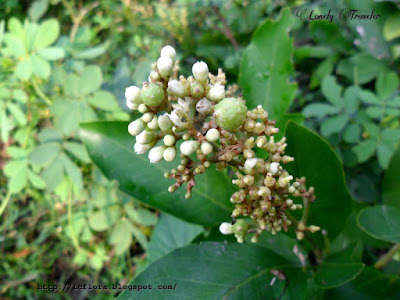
x=5, y=202
x=387, y=257
x=78, y=19
x=227, y=31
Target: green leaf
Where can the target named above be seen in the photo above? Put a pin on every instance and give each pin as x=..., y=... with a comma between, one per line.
x=351, y=99
x=368, y=97
x=141, y=216
x=319, y=110
x=105, y=218
x=332, y=91
x=36, y=181
x=352, y=133
x=312, y=153
x=267, y=67
x=47, y=34
x=382, y=222
x=15, y=27
x=374, y=112
x=78, y=151
x=169, y=234
x=334, y=125
x=53, y=174
x=41, y=67
x=24, y=69
x=18, y=178
x=365, y=149
x=37, y=9
x=371, y=284
x=340, y=267
x=17, y=113
x=140, y=237
x=120, y=236
x=15, y=44
x=391, y=28
x=92, y=52
x=391, y=186
x=111, y=149
x=104, y=100
x=73, y=171
x=90, y=80
x=52, y=53
x=211, y=271
x=71, y=85
x=44, y=153
x=386, y=84
x=5, y=126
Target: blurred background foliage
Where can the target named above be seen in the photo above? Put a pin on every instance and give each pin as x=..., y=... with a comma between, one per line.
x=63, y=62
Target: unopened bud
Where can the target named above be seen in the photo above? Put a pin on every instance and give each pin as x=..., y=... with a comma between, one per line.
x=189, y=147
x=212, y=135
x=136, y=127
x=164, y=66
x=226, y=228
x=156, y=154
x=273, y=168
x=132, y=95
x=206, y=148
x=216, y=93
x=249, y=164
x=145, y=137
x=196, y=90
x=200, y=71
x=169, y=140
x=176, y=88
x=168, y=51
x=164, y=123
x=169, y=154
x=204, y=107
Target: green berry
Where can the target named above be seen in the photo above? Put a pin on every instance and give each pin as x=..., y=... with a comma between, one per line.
x=240, y=227
x=230, y=113
x=152, y=95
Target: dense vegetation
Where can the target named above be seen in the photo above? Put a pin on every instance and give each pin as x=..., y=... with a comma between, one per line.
x=78, y=206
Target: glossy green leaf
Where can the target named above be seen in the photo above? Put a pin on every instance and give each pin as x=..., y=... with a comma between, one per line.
x=47, y=34
x=111, y=149
x=371, y=284
x=391, y=186
x=211, y=271
x=382, y=222
x=267, y=66
x=169, y=234
x=311, y=154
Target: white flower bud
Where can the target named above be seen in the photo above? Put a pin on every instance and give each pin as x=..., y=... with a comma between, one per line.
x=164, y=123
x=168, y=51
x=136, y=127
x=154, y=76
x=179, y=117
x=206, y=148
x=225, y=228
x=153, y=124
x=249, y=164
x=132, y=106
x=132, y=94
x=142, y=148
x=176, y=88
x=169, y=140
x=216, y=93
x=164, y=66
x=204, y=107
x=156, y=154
x=200, y=71
x=212, y=135
x=273, y=168
x=142, y=108
x=147, y=117
x=170, y=154
x=145, y=137
x=189, y=147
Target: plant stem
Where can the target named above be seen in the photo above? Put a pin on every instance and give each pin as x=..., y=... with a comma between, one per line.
x=5, y=202
x=71, y=227
x=387, y=257
x=39, y=91
x=306, y=210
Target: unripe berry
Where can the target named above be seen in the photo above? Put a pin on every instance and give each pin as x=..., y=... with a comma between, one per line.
x=132, y=95
x=240, y=227
x=230, y=113
x=216, y=93
x=225, y=228
x=206, y=148
x=156, y=154
x=196, y=90
x=164, y=123
x=200, y=71
x=164, y=66
x=168, y=51
x=169, y=140
x=189, y=147
x=170, y=154
x=152, y=95
x=136, y=127
x=212, y=135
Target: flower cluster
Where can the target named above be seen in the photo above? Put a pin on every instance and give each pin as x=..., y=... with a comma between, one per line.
x=214, y=127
